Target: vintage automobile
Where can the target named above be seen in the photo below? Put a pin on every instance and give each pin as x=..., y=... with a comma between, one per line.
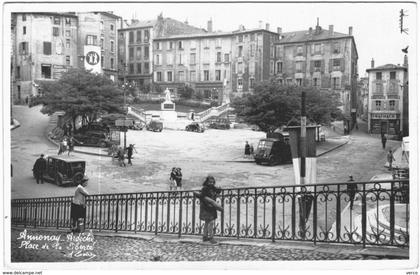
x=92, y=138
x=155, y=126
x=274, y=149
x=220, y=124
x=195, y=127
x=65, y=170
x=138, y=125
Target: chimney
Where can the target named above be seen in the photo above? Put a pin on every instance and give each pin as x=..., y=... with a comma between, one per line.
x=133, y=21
x=279, y=30
x=310, y=30
x=267, y=26
x=405, y=61
x=372, y=63
x=210, y=25
x=350, y=30
x=186, y=21
x=331, y=29
x=260, y=24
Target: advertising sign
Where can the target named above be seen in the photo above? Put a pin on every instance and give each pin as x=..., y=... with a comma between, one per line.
x=93, y=58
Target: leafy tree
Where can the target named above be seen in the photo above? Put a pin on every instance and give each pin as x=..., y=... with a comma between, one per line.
x=82, y=93
x=186, y=92
x=273, y=105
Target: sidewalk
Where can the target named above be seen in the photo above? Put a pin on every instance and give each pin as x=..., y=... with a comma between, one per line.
x=130, y=247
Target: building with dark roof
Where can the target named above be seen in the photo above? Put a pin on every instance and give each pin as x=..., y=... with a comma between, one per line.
x=321, y=58
x=388, y=99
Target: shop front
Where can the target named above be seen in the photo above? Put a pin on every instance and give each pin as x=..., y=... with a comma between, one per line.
x=385, y=123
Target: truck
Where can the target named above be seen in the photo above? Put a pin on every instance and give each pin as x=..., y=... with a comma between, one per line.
x=274, y=149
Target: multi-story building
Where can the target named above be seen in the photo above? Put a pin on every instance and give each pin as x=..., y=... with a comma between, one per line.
x=135, y=49
x=45, y=45
x=216, y=65
x=320, y=58
x=388, y=99
x=99, y=30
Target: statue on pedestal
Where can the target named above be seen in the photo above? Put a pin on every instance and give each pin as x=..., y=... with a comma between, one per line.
x=167, y=95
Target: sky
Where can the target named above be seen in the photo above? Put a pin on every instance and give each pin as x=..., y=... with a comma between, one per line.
x=375, y=25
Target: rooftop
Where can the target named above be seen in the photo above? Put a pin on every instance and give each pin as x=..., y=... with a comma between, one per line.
x=310, y=35
x=213, y=34
x=387, y=67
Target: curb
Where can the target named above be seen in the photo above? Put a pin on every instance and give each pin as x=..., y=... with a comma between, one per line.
x=333, y=148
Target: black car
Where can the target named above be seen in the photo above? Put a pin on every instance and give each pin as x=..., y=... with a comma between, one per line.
x=195, y=127
x=220, y=124
x=92, y=138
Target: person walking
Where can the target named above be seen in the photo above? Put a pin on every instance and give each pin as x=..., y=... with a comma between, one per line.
x=247, y=150
x=130, y=153
x=390, y=158
x=39, y=168
x=207, y=212
x=172, y=176
x=383, y=139
x=121, y=156
x=351, y=190
x=251, y=150
x=178, y=178
x=78, y=207
x=70, y=145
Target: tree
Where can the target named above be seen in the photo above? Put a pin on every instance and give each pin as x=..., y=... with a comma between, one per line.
x=273, y=105
x=81, y=93
x=186, y=92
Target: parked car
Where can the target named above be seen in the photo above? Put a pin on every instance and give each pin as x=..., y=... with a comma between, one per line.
x=195, y=127
x=220, y=124
x=274, y=149
x=92, y=138
x=155, y=126
x=137, y=126
x=65, y=170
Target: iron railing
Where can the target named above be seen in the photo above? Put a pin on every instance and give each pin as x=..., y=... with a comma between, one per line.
x=315, y=213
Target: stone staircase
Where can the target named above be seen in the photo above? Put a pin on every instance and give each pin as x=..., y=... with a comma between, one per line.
x=213, y=112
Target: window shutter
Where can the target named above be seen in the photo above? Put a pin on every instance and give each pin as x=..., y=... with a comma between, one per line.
x=330, y=65
x=342, y=64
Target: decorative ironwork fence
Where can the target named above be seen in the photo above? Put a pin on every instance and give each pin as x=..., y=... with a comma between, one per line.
x=315, y=213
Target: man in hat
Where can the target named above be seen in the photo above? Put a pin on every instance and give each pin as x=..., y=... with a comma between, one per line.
x=39, y=168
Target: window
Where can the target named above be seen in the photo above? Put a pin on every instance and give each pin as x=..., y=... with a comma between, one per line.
x=112, y=46
x=68, y=21
x=378, y=105
x=24, y=30
x=279, y=68
x=138, y=68
x=23, y=48
x=102, y=44
x=392, y=105
x=279, y=51
x=180, y=59
x=146, y=67
x=271, y=67
x=299, y=66
x=240, y=67
x=138, y=53
x=218, y=57
x=317, y=49
x=101, y=25
x=169, y=59
x=336, y=47
x=171, y=45
x=146, y=52
x=193, y=44
x=240, y=51
x=272, y=49
x=159, y=76
x=299, y=50
x=379, y=88
x=46, y=71
x=158, y=60
x=252, y=36
x=47, y=48
x=169, y=76
x=180, y=45
x=316, y=82
x=146, y=35
x=251, y=68
x=251, y=49
x=299, y=81
x=56, y=20
x=192, y=58
x=131, y=68
x=18, y=90
x=392, y=75
x=158, y=46
x=68, y=33
x=138, y=36
x=218, y=43
x=112, y=63
x=68, y=43
x=336, y=82
x=240, y=83
x=67, y=59
x=251, y=83
x=102, y=61
x=111, y=27
x=206, y=57
x=181, y=76
x=206, y=43
x=130, y=53
x=218, y=75
x=91, y=40
x=240, y=38
x=317, y=65
x=192, y=76
x=206, y=75
x=379, y=76
x=56, y=31
x=17, y=72
x=23, y=17
x=336, y=64
x=226, y=57
x=131, y=37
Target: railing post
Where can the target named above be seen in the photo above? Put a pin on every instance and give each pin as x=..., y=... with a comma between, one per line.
x=193, y=214
x=100, y=212
x=392, y=213
x=273, y=220
x=36, y=214
x=157, y=213
x=315, y=215
x=238, y=214
x=135, y=214
x=117, y=214
x=126, y=211
x=58, y=214
x=338, y=214
x=293, y=214
x=222, y=216
x=364, y=215
x=180, y=215
x=24, y=217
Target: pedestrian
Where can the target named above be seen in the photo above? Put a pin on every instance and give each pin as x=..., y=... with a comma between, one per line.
x=121, y=156
x=251, y=150
x=78, y=207
x=383, y=139
x=130, y=153
x=70, y=145
x=172, y=176
x=390, y=158
x=351, y=190
x=247, y=150
x=178, y=178
x=208, y=212
x=39, y=168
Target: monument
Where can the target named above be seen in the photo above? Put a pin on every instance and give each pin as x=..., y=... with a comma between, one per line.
x=168, y=108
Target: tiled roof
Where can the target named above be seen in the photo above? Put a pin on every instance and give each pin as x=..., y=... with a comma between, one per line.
x=387, y=67
x=211, y=34
x=169, y=26
x=301, y=36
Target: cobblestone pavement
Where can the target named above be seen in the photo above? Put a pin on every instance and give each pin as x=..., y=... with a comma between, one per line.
x=106, y=248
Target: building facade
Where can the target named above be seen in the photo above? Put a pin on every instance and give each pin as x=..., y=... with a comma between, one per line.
x=388, y=105
x=45, y=46
x=363, y=97
x=320, y=58
x=135, y=49
x=217, y=65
